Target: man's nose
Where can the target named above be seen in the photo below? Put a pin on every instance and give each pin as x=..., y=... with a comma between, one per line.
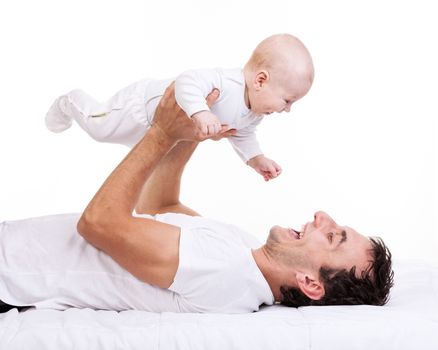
x=287, y=108
x=322, y=218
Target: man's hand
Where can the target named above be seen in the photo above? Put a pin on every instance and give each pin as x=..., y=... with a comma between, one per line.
x=173, y=121
x=265, y=167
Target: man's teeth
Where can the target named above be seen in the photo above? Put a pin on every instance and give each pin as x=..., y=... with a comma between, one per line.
x=298, y=234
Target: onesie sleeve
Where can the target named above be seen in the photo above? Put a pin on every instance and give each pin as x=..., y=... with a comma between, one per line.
x=245, y=141
x=193, y=86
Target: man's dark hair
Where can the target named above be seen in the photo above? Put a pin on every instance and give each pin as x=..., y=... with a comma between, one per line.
x=342, y=287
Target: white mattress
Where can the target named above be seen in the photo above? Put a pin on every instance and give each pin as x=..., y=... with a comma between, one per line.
x=408, y=321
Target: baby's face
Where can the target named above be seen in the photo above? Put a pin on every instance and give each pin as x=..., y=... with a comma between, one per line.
x=276, y=97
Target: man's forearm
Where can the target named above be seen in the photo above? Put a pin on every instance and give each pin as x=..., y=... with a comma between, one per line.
x=120, y=192
x=161, y=191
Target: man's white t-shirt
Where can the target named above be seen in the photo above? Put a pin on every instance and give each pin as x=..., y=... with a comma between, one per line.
x=45, y=263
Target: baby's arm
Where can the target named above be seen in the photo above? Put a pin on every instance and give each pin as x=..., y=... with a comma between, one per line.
x=191, y=89
x=245, y=141
x=247, y=147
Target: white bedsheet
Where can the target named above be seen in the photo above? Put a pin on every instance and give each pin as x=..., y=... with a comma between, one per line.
x=408, y=321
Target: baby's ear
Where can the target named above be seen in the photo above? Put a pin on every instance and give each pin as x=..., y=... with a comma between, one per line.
x=310, y=285
x=261, y=78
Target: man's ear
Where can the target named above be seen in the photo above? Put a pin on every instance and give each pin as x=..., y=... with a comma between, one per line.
x=310, y=285
x=261, y=78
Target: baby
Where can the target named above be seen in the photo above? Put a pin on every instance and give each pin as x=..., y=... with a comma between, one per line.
x=278, y=73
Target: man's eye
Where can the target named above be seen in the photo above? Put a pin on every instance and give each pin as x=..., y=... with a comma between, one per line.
x=330, y=237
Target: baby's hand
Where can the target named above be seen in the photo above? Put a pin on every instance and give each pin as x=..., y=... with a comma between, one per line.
x=207, y=122
x=265, y=167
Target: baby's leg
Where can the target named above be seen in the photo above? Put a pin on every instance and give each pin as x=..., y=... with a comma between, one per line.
x=115, y=121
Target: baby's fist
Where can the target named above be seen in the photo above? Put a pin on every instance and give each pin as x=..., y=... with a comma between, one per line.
x=207, y=122
x=265, y=167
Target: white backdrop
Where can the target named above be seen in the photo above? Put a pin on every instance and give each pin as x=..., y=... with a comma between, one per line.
x=361, y=145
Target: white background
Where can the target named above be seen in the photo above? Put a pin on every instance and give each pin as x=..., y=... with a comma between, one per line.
x=361, y=145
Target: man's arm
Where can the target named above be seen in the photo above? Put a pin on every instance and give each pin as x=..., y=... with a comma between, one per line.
x=146, y=248
x=160, y=193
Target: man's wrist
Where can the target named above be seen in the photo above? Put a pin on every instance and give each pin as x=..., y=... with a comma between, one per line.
x=160, y=137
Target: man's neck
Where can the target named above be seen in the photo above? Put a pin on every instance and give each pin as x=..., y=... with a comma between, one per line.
x=274, y=274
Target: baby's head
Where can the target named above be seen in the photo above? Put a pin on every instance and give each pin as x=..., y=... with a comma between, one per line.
x=278, y=73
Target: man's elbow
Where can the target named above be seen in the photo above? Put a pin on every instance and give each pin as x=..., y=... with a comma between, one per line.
x=90, y=225
x=83, y=226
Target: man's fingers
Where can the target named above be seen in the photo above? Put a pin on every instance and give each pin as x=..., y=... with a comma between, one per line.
x=228, y=133
x=225, y=127
x=225, y=131
x=212, y=97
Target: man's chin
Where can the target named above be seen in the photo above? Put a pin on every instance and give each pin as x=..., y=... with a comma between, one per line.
x=275, y=234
